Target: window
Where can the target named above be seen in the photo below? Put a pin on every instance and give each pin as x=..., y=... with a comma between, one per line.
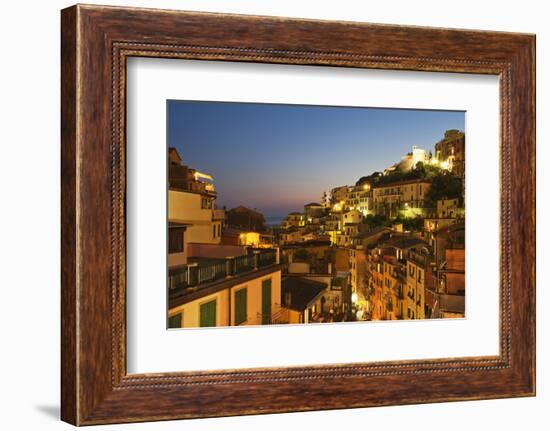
x=219, y=230
x=419, y=276
x=175, y=321
x=240, y=306
x=208, y=314
x=214, y=231
x=175, y=239
x=206, y=203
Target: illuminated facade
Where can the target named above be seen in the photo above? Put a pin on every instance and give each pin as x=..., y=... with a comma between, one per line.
x=450, y=152
x=406, y=198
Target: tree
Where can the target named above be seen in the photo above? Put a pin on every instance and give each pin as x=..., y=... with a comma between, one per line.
x=445, y=185
x=414, y=224
x=245, y=218
x=373, y=221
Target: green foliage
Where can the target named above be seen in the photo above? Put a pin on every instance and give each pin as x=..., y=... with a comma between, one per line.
x=445, y=185
x=397, y=176
x=420, y=172
x=413, y=224
x=373, y=221
x=246, y=218
x=372, y=179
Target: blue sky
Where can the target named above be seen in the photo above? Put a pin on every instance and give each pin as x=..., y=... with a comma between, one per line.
x=276, y=158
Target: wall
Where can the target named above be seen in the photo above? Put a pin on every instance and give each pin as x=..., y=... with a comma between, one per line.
x=186, y=207
x=29, y=81
x=214, y=251
x=191, y=310
x=254, y=296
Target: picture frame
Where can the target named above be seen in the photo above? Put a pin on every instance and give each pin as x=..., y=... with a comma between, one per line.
x=96, y=42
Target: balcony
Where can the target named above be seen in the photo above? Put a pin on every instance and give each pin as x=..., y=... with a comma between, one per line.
x=205, y=272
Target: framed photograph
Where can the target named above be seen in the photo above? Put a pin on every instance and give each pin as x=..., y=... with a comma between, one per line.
x=324, y=214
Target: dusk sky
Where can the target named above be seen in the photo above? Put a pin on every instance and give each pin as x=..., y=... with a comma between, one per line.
x=276, y=158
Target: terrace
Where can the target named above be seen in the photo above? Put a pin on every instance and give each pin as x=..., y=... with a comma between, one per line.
x=202, y=272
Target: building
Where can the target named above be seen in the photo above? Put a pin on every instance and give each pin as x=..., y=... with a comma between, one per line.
x=392, y=304
x=196, y=211
x=338, y=196
x=418, y=277
x=291, y=235
x=448, y=291
x=449, y=208
x=192, y=213
x=325, y=200
x=364, y=203
x=452, y=284
x=294, y=219
x=304, y=300
x=225, y=291
x=410, y=160
x=375, y=280
x=450, y=152
x=234, y=236
x=344, y=238
x=358, y=278
x=332, y=226
x=313, y=211
x=395, y=293
x=406, y=198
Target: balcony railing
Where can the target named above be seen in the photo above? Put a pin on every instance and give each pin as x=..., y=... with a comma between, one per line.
x=202, y=273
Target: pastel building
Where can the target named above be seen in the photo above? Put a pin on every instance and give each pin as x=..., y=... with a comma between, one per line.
x=233, y=292
x=407, y=198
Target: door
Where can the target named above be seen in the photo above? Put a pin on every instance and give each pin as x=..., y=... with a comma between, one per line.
x=266, y=302
x=208, y=314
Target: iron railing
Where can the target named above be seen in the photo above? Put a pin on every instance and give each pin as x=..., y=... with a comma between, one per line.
x=202, y=273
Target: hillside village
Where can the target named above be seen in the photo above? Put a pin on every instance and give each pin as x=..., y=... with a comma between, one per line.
x=389, y=246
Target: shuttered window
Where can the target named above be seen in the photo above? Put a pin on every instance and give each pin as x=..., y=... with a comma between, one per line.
x=240, y=306
x=175, y=239
x=175, y=321
x=208, y=314
x=266, y=301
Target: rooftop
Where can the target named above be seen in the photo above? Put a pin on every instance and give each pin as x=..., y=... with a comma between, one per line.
x=407, y=242
x=373, y=232
x=300, y=291
x=310, y=243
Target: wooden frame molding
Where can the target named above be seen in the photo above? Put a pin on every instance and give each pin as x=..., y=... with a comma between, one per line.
x=95, y=42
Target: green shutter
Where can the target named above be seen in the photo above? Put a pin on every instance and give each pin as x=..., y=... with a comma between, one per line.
x=266, y=301
x=208, y=314
x=175, y=321
x=240, y=306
